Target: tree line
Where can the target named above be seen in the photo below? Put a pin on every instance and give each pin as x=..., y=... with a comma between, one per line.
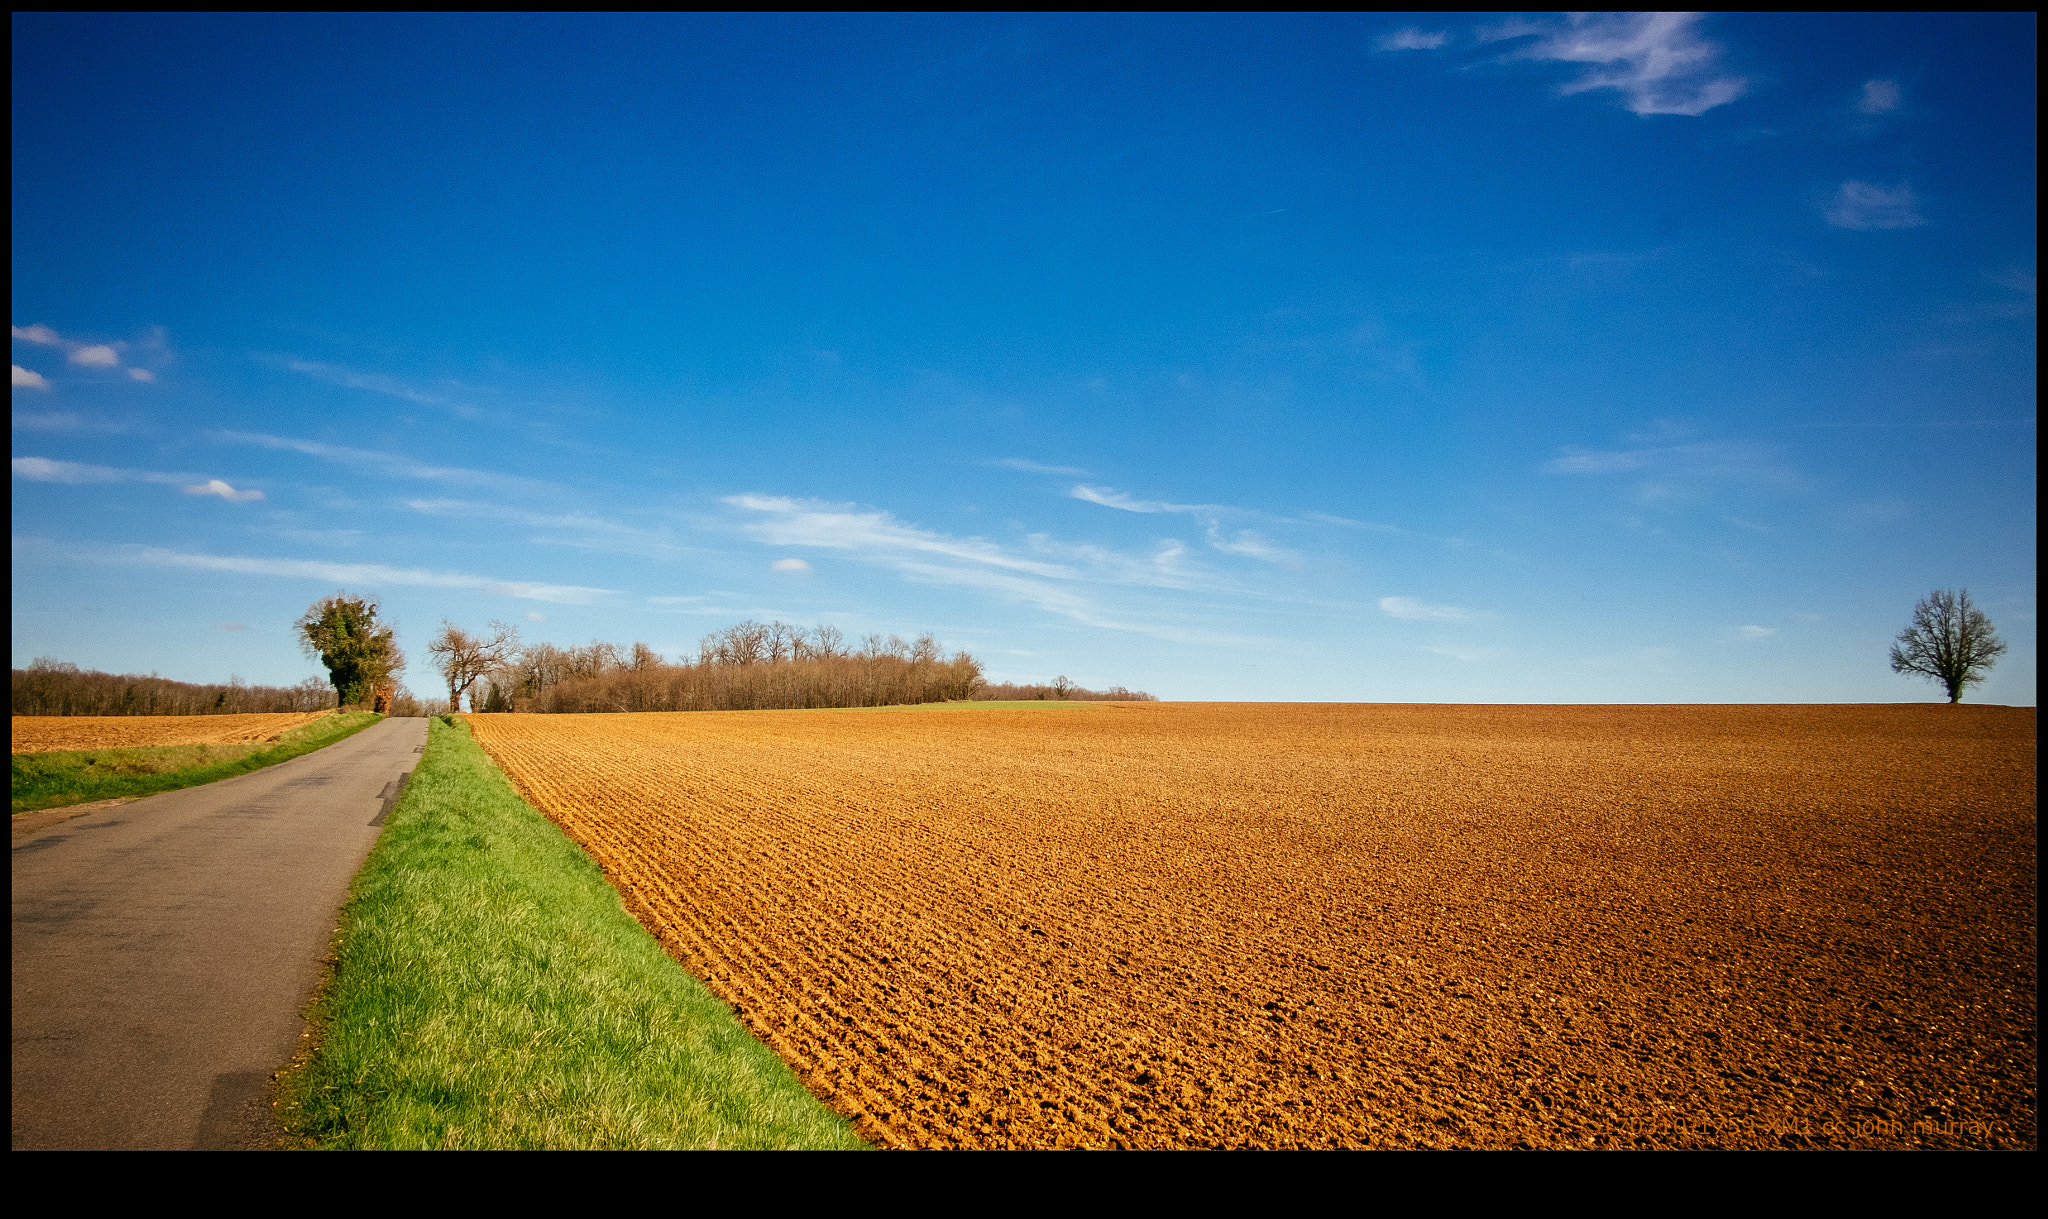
x=751, y=666
x=50, y=687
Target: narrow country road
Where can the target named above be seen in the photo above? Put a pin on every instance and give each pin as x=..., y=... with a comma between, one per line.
x=165, y=949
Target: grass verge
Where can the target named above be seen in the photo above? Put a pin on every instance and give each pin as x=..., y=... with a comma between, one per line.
x=489, y=990
x=53, y=780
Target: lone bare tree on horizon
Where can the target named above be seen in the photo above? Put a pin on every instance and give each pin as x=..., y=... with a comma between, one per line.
x=463, y=657
x=1950, y=641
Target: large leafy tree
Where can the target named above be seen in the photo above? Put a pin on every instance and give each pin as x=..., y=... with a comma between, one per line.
x=361, y=654
x=1950, y=641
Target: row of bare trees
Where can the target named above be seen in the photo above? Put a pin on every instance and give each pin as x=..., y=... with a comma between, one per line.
x=1062, y=688
x=50, y=687
x=747, y=667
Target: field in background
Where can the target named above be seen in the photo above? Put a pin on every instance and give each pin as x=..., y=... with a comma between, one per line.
x=50, y=733
x=59, y=778
x=1178, y=925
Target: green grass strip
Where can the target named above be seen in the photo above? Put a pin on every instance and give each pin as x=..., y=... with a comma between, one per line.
x=53, y=780
x=491, y=991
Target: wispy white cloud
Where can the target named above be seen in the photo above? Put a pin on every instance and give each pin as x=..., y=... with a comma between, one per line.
x=318, y=537
x=1757, y=632
x=62, y=421
x=577, y=529
x=98, y=355
x=789, y=565
x=792, y=522
x=1879, y=97
x=25, y=379
x=378, y=383
x=1032, y=467
x=1118, y=499
x=1675, y=468
x=2019, y=279
x=1866, y=205
x=141, y=374
x=1657, y=61
x=1586, y=461
x=391, y=465
x=44, y=470
x=360, y=574
x=214, y=486
x=1327, y=519
x=1412, y=39
x=1456, y=651
x=1409, y=607
x=1252, y=545
x=1051, y=578
x=38, y=333
x=1242, y=542
x=536, y=616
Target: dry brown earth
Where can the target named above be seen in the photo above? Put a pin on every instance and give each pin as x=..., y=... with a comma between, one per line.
x=1197, y=925
x=50, y=733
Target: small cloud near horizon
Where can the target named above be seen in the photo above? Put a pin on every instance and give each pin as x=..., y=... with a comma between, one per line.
x=536, y=616
x=1409, y=607
x=789, y=565
x=1758, y=632
x=1412, y=39
x=214, y=486
x=1033, y=467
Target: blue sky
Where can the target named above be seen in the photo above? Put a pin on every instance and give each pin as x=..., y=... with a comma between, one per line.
x=1522, y=358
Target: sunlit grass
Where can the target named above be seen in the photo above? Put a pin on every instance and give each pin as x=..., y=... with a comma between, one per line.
x=491, y=991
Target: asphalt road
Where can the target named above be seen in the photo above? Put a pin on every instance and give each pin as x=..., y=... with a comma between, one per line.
x=164, y=950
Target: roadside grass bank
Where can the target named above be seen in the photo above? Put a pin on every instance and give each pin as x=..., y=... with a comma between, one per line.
x=490, y=991
x=53, y=780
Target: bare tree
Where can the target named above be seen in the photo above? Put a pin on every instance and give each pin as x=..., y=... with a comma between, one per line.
x=463, y=658
x=1950, y=641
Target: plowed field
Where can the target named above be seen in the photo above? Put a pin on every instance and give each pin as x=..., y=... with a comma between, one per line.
x=50, y=733
x=1195, y=925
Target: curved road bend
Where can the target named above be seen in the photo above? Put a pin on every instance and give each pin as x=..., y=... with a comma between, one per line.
x=164, y=950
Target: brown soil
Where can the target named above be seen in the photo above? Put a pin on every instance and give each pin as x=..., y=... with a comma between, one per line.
x=1226, y=925
x=53, y=733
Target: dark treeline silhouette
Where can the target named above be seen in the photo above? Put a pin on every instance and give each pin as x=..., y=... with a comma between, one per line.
x=753, y=666
x=49, y=687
